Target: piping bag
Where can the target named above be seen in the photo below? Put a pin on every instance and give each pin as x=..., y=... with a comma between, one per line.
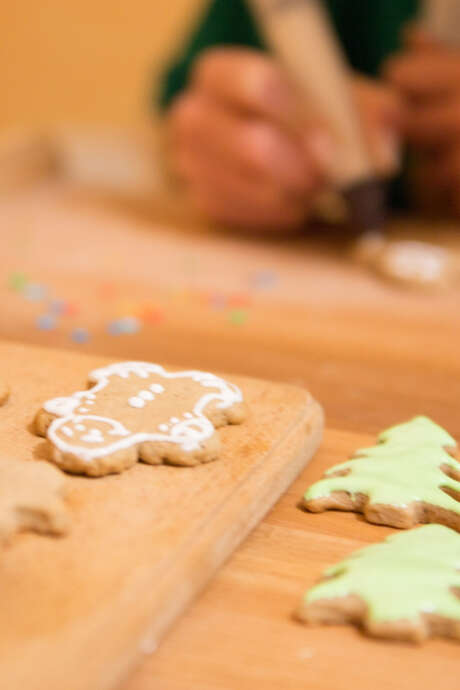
x=300, y=35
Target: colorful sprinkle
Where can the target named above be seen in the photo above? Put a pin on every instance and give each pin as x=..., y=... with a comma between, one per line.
x=238, y=317
x=70, y=309
x=46, y=322
x=80, y=335
x=217, y=301
x=57, y=307
x=264, y=280
x=17, y=281
x=239, y=300
x=34, y=292
x=151, y=315
x=128, y=325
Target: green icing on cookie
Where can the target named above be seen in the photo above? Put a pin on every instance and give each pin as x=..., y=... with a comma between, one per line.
x=403, y=468
x=404, y=576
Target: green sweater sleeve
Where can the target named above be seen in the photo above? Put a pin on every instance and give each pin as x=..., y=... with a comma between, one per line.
x=369, y=32
x=226, y=22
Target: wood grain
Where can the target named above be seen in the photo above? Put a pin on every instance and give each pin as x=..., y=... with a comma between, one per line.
x=143, y=543
x=371, y=353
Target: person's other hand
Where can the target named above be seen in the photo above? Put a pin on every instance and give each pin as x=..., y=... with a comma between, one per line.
x=427, y=77
x=250, y=154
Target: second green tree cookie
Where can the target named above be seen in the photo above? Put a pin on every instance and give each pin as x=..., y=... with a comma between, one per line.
x=405, y=588
x=409, y=477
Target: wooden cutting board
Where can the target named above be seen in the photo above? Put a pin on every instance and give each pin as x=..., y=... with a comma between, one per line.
x=78, y=612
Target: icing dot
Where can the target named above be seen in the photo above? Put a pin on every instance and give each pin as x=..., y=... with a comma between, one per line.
x=80, y=427
x=136, y=402
x=188, y=415
x=90, y=402
x=163, y=427
x=174, y=420
x=67, y=431
x=93, y=436
x=83, y=409
x=157, y=388
x=146, y=395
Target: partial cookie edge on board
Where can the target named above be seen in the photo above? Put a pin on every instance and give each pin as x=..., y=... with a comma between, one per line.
x=223, y=406
x=4, y=392
x=32, y=499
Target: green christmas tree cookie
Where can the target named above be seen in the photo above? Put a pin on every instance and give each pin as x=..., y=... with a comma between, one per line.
x=407, y=587
x=407, y=478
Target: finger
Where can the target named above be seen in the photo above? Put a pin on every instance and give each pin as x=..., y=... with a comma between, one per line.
x=223, y=194
x=433, y=182
x=424, y=76
x=249, y=81
x=381, y=116
x=433, y=126
x=417, y=37
x=253, y=146
x=246, y=215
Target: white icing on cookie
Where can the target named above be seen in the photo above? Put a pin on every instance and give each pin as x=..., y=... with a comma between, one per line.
x=146, y=395
x=93, y=436
x=188, y=433
x=67, y=431
x=136, y=402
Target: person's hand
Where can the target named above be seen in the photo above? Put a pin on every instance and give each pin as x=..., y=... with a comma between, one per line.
x=248, y=150
x=427, y=77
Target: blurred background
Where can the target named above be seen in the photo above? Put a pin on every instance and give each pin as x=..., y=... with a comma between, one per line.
x=86, y=61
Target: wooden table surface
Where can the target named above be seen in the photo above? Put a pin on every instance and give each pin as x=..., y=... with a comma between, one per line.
x=297, y=311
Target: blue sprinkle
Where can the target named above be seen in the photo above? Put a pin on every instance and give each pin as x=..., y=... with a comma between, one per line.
x=34, y=292
x=127, y=325
x=57, y=307
x=80, y=335
x=264, y=280
x=130, y=324
x=46, y=322
x=114, y=328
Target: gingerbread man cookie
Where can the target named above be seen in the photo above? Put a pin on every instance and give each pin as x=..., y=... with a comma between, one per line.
x=405, y=588
x=31, y=498
x=407, y=478
x=138, y=410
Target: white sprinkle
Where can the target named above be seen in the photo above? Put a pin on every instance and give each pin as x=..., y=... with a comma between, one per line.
x=67, y=431
x=188, y=415
x=136, y=402
x=174, y=420
x=146, y=395
x=80, y=427
x=83, y=409
x=157, y=388
x=163, y=427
